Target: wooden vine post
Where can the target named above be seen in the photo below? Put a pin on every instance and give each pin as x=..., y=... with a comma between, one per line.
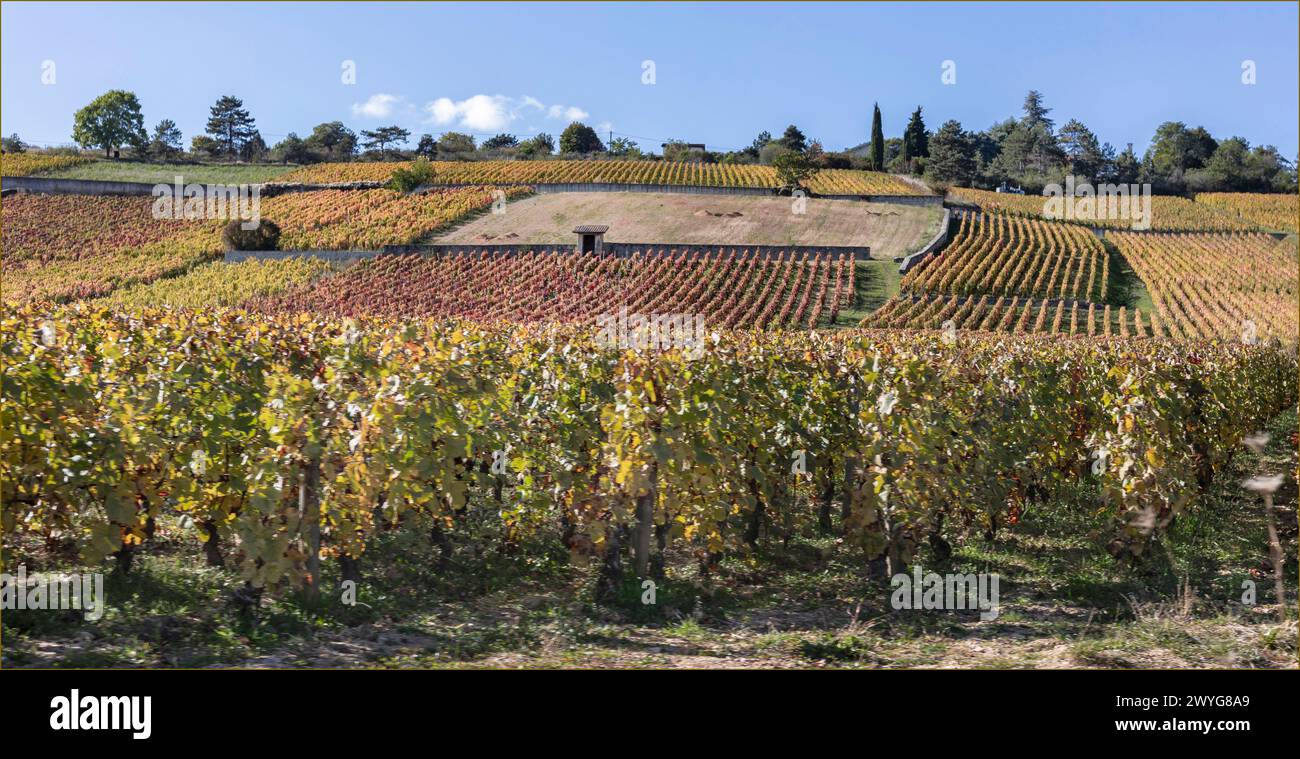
x=309, y=509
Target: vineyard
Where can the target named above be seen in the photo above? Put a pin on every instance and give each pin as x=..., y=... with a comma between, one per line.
x=217, y=284
x=828, y=181
x=733, y=289
x=446, y=426
x=66, y=247
x=646, y=336
x=1270, y=211
x=1225, y=286
x=1168, y=212
x=990, y=313
x=1008, y=273
x=334, y=431
x=1002, y=273
x=370, y=219
x=26, y=164
x=1001, y=255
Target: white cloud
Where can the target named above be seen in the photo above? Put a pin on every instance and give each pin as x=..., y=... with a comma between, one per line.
x=441, y=111
x=480, y=113
x=379, y=106
x=485, y=113
x=568, y=112
x=493, y=113
x=605, y=127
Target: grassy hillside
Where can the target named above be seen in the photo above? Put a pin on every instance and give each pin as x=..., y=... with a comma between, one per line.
x=890, y=230
x=154, y=173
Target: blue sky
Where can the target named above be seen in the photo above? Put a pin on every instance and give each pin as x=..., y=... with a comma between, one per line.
x=722, y=72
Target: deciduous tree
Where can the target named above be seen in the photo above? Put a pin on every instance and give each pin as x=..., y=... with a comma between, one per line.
x=110, y=121
x=580, y=138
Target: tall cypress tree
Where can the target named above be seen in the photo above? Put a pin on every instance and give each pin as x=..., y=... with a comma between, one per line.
x=877, y=141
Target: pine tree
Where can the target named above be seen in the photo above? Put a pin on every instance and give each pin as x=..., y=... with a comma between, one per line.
x=794, y=139
x=952, y=156
x=166, y=139
x=916, y=142
x=230, y=125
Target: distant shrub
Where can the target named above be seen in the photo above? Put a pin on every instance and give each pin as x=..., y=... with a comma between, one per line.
x=265, y=236
x=65, y=150
x=419, y=174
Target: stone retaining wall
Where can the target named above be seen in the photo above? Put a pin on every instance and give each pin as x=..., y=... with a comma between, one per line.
x=58, y=186
x=235, y=256
x=936, y=243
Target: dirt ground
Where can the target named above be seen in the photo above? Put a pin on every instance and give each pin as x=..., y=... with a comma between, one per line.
x=890, y=230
